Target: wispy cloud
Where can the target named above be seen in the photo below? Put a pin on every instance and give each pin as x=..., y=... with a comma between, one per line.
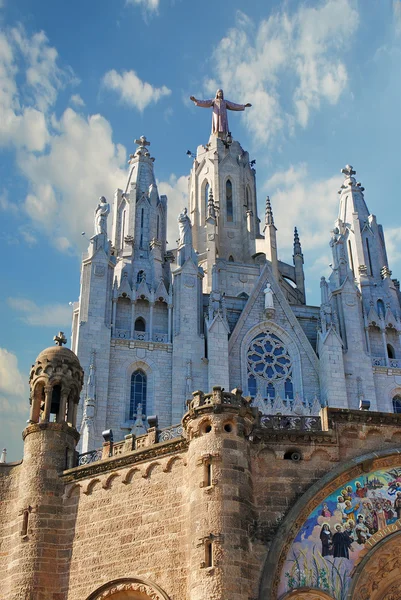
x=397, y=15
x=77, y=100
x=57, y=315
x=149, y=6
x=304, y=48
x=132, y=91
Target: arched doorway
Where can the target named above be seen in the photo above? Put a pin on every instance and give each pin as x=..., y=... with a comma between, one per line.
x=307, y=594
x=378, y=575
x=129, y=589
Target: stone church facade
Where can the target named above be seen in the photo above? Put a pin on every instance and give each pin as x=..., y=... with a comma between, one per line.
x=286, y=487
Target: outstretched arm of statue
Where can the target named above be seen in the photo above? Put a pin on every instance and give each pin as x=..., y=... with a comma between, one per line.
x=202, y=103
x=233, y=106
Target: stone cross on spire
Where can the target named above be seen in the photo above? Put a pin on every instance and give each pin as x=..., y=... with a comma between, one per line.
x=60, y=338
x=348, y=171
x=142, y=142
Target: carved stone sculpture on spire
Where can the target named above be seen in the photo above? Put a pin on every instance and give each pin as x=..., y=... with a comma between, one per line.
x=101, y=213
x=220, y=107
x=185, y=249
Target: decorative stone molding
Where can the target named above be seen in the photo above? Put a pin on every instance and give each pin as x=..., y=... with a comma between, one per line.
x=129, y=585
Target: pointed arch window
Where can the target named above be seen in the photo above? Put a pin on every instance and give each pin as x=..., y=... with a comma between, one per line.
x=138, y=393
x=270, y=390
x=229, y=201
x=123, y=225
x=231, y=258
x=288, y=390
x=206, y=198
x=397, y=404
x=157, y=227
x=247, y=198
x=380, y=309
x=140, y=276
x=252, y=387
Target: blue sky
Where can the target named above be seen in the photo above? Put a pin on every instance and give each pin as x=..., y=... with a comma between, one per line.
x=80, y=80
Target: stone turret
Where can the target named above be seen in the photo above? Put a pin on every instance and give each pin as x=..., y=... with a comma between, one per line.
x=217, y=427
x=49, y=448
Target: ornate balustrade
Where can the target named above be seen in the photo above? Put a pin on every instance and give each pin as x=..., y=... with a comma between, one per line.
x=171, y=433
x=141, y=336
x=391, y=363
x=89, y=457
x=291, y=422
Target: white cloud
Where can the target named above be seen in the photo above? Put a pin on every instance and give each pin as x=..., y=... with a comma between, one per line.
x=11, y=380
x=393, y=244
x=14, y=404
x=397, y=15
x=77, y=100
x=298, y=200
x=23, y=108
x=149, y=6
x=303, y=49
x=132, y=90
x=81, y=164
x=57, y=315
x=68, y=162
x=176, y=190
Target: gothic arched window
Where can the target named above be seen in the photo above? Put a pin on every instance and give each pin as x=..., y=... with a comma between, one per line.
x=247, y=198
x=397, y=404
x=206, y=198
x=229, y=201
x=269, y=367
x=157, y=227
x=390, y=351
x=380, y=309
x=231, y=258
x=140, y=276
x=138, y=393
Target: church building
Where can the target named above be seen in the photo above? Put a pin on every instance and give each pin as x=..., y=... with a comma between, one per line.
x=210, y=435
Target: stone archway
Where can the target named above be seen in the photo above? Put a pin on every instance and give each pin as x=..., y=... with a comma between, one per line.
x=378, y=575
x=307, y=594
x=129, y=589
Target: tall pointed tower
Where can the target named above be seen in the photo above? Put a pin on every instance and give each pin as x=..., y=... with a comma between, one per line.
x=124, y=314
x=364, y=299
x=222, y=171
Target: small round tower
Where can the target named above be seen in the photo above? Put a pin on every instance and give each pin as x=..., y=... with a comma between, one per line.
x=50, y=439
x=218, y=428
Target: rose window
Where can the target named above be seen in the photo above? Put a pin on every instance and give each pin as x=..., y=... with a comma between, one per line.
x=268, y=358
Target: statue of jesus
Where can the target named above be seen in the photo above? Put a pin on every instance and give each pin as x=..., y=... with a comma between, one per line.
x=220, y=107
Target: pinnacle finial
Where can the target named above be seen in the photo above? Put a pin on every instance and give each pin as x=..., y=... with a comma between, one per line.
x=297, y=243
x=269, y=220
x=211, y=210
x=60, y=338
